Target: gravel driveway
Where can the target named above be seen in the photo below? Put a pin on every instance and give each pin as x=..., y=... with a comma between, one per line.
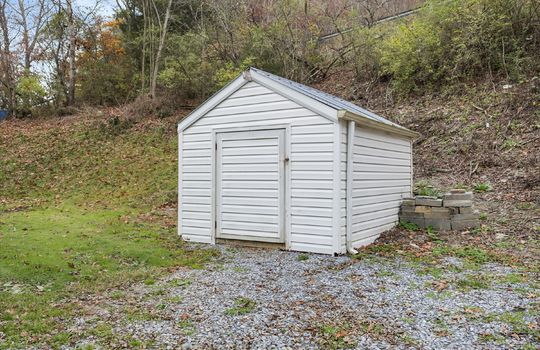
x=269, y=299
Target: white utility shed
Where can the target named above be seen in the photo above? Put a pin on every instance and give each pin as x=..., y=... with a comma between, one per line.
x=269, y=160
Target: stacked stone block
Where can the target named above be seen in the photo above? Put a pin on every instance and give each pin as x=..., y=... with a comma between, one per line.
x=451, y=212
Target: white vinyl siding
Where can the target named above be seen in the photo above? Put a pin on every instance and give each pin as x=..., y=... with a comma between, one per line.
x=311, y=157
x=381, y=179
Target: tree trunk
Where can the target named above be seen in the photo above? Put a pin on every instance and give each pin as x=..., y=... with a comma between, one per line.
x=71, y=54
x=159, y=50
x=7, y=60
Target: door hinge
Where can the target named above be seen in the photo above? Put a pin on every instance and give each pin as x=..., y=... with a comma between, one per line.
x=215, y=224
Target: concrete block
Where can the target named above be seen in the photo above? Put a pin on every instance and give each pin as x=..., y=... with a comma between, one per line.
x=408, y=202
x=438, y=214
x=442, y=210
x=429, y=201
x=458, y=196
x=415, y=220
x=438, y=224
x=411, y=214
x=465, y=210
x=459, y=225
x=457, y=190
x=407, y=209
x=465, y=217
x=457, y=203
x=422, y=209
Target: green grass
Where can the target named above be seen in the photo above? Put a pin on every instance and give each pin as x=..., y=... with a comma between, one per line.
x=302, y=257
x=72, y=205
x=241, y=306
x=56, y=252
x=334, y=337
x=409, y=226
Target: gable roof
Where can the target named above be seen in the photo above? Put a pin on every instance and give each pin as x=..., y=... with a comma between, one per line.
x=329, y=106
x=330, y=100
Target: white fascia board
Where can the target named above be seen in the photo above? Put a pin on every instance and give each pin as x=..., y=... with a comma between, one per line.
x=302, y=99
x=213, y=101
x=364, y=120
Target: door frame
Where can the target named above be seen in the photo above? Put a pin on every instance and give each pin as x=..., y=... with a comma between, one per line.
x=286, y=210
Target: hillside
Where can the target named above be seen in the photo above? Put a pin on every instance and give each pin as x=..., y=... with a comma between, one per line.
x=484, y=135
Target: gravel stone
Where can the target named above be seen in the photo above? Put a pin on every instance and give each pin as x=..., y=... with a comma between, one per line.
x=324, y=302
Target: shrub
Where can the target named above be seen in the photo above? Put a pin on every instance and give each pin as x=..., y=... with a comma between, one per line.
x=423, y=188
x=482, y=187
x=460, y=39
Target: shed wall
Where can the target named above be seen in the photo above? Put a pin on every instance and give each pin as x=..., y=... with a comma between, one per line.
x=382, y=177
x=311, y=166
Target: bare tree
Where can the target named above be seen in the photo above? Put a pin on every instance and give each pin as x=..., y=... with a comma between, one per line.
x=7, y=60
x=32, y=18
x=71, y=33
x=162, y=34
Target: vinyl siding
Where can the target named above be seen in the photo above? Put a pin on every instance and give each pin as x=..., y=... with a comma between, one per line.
x=382, y=169
x=310, y=166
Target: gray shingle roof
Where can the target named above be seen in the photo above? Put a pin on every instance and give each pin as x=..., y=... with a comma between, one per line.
x=327, y=99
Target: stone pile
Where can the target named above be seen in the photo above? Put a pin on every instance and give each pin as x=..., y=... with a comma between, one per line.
x=451, y=212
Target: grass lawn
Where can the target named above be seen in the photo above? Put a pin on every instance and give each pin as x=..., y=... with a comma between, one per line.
x=71, y=201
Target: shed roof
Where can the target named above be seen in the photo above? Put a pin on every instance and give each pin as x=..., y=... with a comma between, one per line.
x=327, y=99
x=327, y=105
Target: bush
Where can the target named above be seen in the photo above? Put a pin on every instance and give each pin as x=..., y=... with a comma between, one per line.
x=31, y=94
x=460, y=39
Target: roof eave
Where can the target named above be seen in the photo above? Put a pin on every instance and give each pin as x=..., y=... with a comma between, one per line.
x=364, y=120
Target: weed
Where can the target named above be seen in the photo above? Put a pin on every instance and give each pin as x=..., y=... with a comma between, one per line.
x=509, y=144
x=134, y=314
x=241, y=306
x=180, y=282
x=187, y=327
x=334, y=337
x=526, y=206
x=118, y=294
x=135, y=343
x=482, y=187
x=302, y=257
x=409, y=340
x=441, y=328
x=519, y=322
x=473, y=254
x=103, y=332
x=432, y=234
x=384, y=273
x=482, y=216
x=175, y=299
x=149, y=281
x=409, y=226
x=239, y=269
x=435, y=272
x=60, y=339
x=472, y=282
x=439, y=295
x=423, y=188
x=492, y=338
x=513, y=278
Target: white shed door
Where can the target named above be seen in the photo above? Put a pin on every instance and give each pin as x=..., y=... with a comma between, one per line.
x=250, y=185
